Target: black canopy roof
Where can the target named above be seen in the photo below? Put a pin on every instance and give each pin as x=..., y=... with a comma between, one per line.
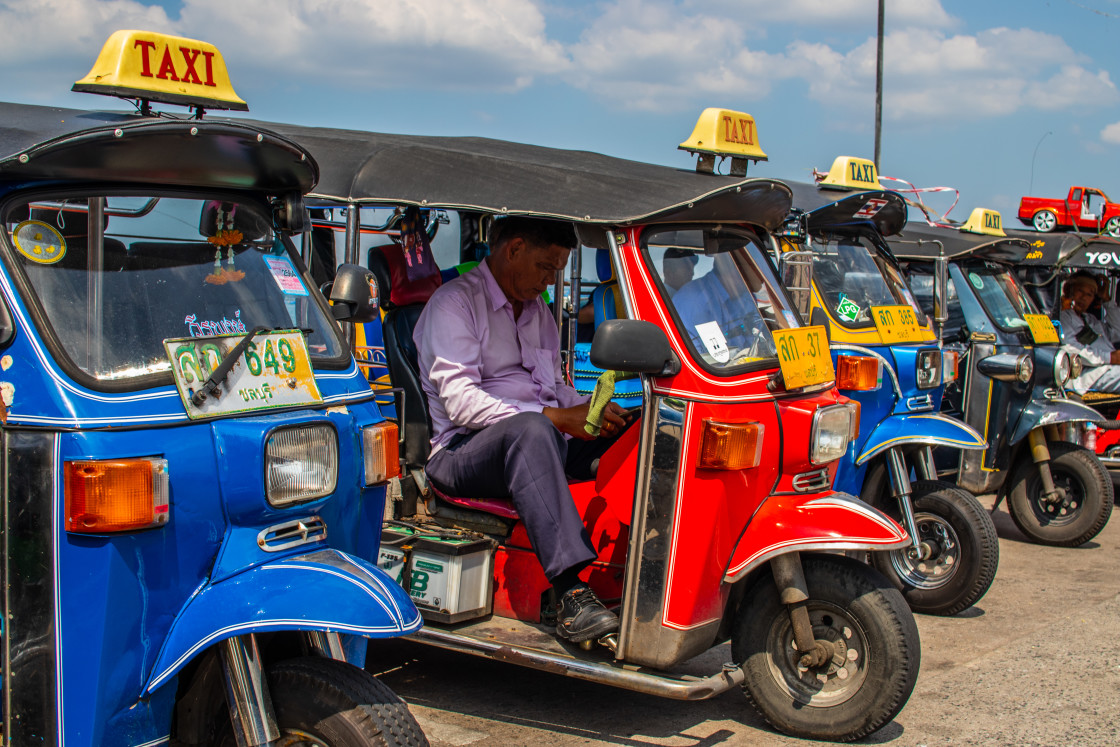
x=923, y=241
x=1074, y=250
x=494, y=176
x=39, y=142
x=832, y=208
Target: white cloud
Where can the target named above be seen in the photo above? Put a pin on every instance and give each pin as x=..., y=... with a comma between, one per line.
x=830, y=13
x=1111, y=134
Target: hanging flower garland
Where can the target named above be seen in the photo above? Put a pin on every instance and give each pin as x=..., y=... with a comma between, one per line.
x=227, y=237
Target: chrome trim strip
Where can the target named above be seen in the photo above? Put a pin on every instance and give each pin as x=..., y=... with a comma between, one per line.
x=812, y=482
x=291, y=534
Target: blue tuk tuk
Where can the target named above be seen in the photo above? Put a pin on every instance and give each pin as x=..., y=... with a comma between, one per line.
x=193, y=467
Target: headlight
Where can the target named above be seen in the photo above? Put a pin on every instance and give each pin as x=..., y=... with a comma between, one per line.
x=833, y=427
x=1063, y=366
x=929, y=369
x=300, y=464
x=1075, y=366
x=1024, y=368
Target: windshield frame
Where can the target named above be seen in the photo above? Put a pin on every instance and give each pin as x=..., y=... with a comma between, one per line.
x=883, y=259
x=41, y=321
x=998, y=268
x=765, y=268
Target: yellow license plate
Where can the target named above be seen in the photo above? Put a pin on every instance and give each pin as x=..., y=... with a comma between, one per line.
x=274, y=371
x=897, y=324
x=804, y=357
x=1042, y=329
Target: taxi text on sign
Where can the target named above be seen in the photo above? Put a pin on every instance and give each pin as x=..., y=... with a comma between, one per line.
x=157, y=67
x=804, y=356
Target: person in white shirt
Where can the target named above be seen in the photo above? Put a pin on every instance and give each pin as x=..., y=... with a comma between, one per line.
x=1087, y=336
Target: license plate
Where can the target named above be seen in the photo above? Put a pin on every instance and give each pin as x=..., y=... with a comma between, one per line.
x=274, y=371
x=897, y=324
x=804, y=357
x=1042, y=329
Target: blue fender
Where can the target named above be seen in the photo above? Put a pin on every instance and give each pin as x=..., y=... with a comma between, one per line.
x=1039, y=412
x=326, y=590
x=929, y=428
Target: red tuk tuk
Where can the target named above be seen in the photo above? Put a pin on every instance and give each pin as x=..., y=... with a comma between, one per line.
x=713, y=516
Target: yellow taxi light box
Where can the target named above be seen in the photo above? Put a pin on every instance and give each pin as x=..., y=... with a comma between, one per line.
x=722, y=132
x=157, y=67
x=849, y=172
x=983, y=221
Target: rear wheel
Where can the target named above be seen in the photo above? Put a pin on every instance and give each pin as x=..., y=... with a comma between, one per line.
x=1045, y=221
x=960, y=551
x=1112, y=227
x=868, y=680
x=1086, y=500
x=326, y=703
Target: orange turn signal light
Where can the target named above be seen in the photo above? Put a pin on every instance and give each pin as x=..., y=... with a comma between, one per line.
x=950, y=362
x=381, y=452
x=730, y=445
x=117, y=495
x=858, y=373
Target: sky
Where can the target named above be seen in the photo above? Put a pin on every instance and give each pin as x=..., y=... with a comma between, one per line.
x=993, y=98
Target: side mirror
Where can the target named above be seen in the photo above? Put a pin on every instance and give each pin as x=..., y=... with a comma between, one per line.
x=633, y=346
x=290, y=213
x=353, y=294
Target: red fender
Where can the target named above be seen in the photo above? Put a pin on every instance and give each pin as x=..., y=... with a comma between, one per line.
x=814, y=521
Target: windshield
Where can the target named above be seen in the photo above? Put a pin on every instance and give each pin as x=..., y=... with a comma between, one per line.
x=166, y=268
x=724, y=295
x=851, y=277
x=1001, y=295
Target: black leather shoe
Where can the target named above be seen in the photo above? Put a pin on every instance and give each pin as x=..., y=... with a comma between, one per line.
x=580, y=616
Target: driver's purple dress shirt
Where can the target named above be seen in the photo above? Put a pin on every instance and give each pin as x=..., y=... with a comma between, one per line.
x=479, y=365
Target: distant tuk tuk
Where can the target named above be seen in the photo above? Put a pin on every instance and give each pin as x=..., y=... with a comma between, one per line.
x=193, y=467
x=1051, y=259
x=714, y=516
x=1011, y=386
x=889, y=359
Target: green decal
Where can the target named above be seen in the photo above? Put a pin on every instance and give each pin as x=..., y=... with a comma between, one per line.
x=847, y=309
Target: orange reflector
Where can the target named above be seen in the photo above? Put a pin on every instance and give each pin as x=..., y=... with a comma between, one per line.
x=381, y=452
x=115, y=495
x=857, y=373
x=730, y=445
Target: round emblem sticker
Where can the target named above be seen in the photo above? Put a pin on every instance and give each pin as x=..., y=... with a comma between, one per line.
x=976, y=280
x=39, y=242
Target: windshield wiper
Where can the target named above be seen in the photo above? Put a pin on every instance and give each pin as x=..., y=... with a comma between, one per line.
x=210, y=386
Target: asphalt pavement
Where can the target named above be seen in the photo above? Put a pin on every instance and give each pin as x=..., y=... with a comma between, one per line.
x=1035, y=663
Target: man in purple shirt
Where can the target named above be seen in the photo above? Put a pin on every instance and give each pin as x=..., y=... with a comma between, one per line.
x=504, y=421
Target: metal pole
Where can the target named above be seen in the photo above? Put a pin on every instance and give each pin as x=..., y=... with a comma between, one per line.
x=879, y=88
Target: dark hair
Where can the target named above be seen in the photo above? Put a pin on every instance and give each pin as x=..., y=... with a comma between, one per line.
x=678, y=253
x=1081, y=276
x=539, y=232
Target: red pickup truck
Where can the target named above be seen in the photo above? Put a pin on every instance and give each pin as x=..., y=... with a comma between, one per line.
x=1084, y=209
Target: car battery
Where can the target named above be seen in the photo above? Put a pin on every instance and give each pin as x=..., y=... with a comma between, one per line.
x=449, y=577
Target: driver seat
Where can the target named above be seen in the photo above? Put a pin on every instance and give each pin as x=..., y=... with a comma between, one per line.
x=402, y=301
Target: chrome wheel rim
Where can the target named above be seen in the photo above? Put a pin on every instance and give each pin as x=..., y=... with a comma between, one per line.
x=943, y=554
x=1045, y=221
x=832, y=683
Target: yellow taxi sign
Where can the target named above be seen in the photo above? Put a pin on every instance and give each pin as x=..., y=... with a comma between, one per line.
x=984, y=221
x=157, y=67
x=849, y=172
x=722, y=132
x=1042, y=329
x=803, y=356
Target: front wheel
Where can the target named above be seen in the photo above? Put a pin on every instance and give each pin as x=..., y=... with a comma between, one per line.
x=1112, y=227
x=960, y=551
x=327, y=703
x=1045, y=221
x=1085, y=501
x=872, y=673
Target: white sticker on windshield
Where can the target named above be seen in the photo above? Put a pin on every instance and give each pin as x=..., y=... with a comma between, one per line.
x=976, y=280
x=712, y=337
x=285, y=275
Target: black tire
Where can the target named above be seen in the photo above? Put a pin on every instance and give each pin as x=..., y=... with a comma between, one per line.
x=1112, y=227
x=847, y=600
x=964, y=544
x=329, y=703
x=1089, y=486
